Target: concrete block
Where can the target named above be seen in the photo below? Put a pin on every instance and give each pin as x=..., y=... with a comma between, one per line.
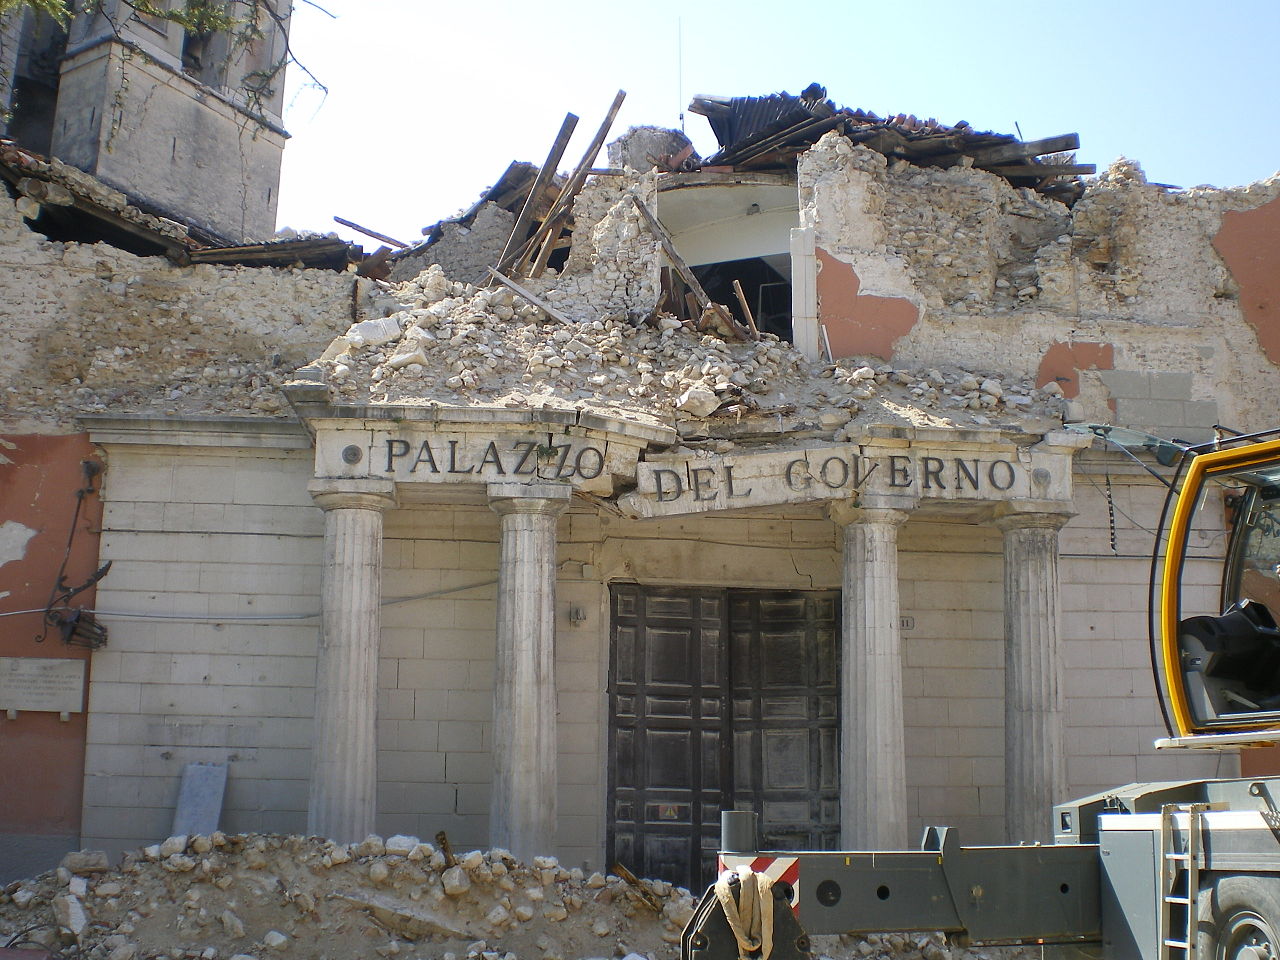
x=427, y=704
x=433, y=674
x=582, y=800
x=423, y=798
x=411, y=766
x=576, y=769
x=468, y=767
x=396, y=704
x=1200, y=413
x=480, y=675
x=199, y=799
x=473, y=799
x=402, y=643
x=467, y=705
x=1171, y=386
x=110, y=697
x=578, y=737
x=137, y=823
x=477, y=556
x=419, y=735
x=462, y=736
x=1127, y=383
x=1150, y=413
x=388, y=674
x=976, y=712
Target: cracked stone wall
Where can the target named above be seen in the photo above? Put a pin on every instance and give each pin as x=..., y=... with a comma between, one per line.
x=463, y=251
x=90, y=328
x=1005, y=279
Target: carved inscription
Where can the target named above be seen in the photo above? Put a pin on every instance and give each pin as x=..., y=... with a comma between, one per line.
x=41, y=683
x=492, y=460
x=822, y=473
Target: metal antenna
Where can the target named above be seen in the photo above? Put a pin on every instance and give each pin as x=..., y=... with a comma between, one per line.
x=680, y=69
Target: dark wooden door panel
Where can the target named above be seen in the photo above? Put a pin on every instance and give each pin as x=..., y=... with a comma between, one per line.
x=720, y=699
x=667, y=690
x=785, y=668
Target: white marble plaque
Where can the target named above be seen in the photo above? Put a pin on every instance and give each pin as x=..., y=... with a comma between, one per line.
x=41, y=683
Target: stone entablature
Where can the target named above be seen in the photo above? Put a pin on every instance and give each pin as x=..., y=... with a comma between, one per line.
x=605, y=457
x=922, y=464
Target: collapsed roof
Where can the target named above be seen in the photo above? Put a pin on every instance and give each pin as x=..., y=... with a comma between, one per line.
x=65, y=203
x=758, y=133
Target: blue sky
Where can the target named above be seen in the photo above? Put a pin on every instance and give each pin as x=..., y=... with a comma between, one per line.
x=429, y=101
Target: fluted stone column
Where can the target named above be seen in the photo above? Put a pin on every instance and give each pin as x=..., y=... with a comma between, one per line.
x=873, y=779
x=344, y=754
x=522, y=808
x=1035, y=761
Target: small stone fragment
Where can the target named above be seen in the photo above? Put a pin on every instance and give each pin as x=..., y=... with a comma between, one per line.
x=455, y=880
x=86, y=861
x=275, y=940
x=232, y=924
x=70, y=914
x=401, y=845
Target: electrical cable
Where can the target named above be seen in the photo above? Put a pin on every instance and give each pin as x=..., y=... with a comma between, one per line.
x=257, y=618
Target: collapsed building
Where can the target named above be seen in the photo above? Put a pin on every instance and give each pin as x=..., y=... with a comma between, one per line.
x=738, y=483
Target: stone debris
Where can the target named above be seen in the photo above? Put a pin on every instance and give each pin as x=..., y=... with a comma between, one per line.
x=996, y=275
x=465, y=345
x=250, y=897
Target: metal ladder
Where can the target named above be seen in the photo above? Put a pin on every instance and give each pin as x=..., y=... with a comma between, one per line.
x=1176, y=906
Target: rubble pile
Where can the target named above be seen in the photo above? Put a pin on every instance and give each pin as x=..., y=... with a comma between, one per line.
x=454, y=343
x=254, y=897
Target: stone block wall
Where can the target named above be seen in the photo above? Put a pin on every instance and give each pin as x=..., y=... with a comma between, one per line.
x=953, y=677
x=1112, y=714
x=91, y=328
x=1161, y=402
x=205, y=537
x=216, y=566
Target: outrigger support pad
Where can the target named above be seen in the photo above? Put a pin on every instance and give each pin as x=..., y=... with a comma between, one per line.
x=708, y=936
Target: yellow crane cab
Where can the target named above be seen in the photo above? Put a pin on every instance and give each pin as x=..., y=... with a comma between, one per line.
x=1215, y=642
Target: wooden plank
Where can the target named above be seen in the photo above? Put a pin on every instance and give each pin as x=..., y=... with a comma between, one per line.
x=375, y=265
x=1044, y=169
x=370, y=233
x=561, y=208
x=682, y=268
x=1022, y=151
x=809, y=128
x=695, y=311
x=545, y=175
x=746, y=309
x=530, y=296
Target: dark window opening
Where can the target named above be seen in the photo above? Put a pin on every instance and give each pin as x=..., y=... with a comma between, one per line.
x=69, y=224
x=204, y=57
x=35, y=84
x=31, y=124
x=767, y=289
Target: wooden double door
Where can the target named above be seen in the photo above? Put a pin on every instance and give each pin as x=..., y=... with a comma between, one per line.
x=720, y=699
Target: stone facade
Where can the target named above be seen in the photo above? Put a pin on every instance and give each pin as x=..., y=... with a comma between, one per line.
x=317, y=488
x=188, y=124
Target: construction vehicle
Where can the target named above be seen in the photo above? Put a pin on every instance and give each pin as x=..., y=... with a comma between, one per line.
x=1182, y=870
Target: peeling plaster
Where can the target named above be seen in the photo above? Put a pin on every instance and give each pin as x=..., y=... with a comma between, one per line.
x=14, y=538
x=1247, y=242
x=858, y=324
x=1064, y=361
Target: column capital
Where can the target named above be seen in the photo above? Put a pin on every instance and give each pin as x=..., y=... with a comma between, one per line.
x=333, y=493
x=1025, y=514
x=545, y=499
x=883, y=508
